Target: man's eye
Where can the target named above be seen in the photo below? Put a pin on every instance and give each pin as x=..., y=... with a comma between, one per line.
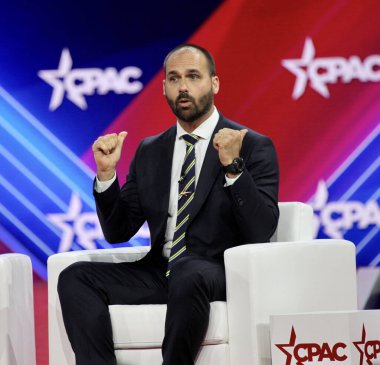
x=194, y=76
x=173, y=78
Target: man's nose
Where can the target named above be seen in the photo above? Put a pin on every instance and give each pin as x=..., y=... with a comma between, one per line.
x=183, y=86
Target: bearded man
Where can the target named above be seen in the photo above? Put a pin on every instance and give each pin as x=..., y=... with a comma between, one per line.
x=204, y=185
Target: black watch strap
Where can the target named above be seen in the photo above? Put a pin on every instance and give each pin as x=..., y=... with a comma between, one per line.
x=236, y=167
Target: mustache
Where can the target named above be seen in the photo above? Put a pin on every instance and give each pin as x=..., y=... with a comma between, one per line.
x=184, y=95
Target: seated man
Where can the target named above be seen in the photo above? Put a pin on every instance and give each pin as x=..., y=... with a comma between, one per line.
x=204, y=185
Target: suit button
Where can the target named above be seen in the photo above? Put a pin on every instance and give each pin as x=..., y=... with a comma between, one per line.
x=240, y=201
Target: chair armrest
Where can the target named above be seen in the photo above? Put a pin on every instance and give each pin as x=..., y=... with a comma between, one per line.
x=58, y=262
x=17, y=341
x=281, y=278
x=60, y=352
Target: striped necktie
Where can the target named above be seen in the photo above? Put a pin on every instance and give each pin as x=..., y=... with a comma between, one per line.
x=186, y=189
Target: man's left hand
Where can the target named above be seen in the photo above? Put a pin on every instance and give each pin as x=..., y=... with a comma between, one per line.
x=228, y=144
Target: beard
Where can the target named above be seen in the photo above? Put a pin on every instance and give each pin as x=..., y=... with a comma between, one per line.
x=195, y=110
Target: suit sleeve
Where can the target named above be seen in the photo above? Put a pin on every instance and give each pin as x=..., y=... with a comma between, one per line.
x=119, y=210
x=255, y=193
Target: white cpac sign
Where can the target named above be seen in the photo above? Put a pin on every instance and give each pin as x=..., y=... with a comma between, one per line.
x=87, y=81
x=337, y=217
x=329, y=70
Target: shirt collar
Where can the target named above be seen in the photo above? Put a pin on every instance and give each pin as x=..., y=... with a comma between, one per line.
x=205, y=130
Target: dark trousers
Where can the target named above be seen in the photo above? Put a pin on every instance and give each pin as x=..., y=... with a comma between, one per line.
x=87, y=288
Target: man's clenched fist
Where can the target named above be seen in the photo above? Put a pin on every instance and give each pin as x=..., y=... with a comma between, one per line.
x=228, y=144
x=107, y=151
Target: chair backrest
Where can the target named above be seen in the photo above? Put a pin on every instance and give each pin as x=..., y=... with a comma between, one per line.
x=295, y=223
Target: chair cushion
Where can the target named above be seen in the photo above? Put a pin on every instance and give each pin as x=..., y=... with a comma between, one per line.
x=208, y=355
x=142, y=326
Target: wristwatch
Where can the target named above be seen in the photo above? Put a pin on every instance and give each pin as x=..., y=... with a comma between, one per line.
x=236, y=167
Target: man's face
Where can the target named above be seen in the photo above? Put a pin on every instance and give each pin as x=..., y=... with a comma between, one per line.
x=188, y=86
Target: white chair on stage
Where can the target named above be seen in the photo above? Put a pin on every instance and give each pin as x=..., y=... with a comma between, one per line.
x=17, y=343
x=292, y=274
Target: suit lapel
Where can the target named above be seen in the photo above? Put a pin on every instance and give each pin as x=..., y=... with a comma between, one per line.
x=210, y=169
x=164, y=160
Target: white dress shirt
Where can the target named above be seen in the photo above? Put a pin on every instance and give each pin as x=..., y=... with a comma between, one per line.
x=205, y=132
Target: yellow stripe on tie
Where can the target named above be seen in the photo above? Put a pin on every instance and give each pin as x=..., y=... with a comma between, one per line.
x=184, y=220
x=183, y=249
x=192, y=163
x=186, y=204
x=187, y=185
x=188, y=152
x=180, y=238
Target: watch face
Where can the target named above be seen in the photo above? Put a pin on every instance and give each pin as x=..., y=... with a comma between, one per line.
x=236, y=167
x=238, y=164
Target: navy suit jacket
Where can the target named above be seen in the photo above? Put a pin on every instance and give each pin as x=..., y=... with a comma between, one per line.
x=221, y=217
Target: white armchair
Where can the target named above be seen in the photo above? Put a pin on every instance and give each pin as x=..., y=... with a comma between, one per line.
x=17, y=344
x=294, y=274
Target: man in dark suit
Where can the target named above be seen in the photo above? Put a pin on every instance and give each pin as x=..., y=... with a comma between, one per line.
x=204, y=185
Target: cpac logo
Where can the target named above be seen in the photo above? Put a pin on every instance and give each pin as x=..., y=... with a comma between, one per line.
x=311, y=352
x=82, y=227
x=369, y=349
x=80, y=82
x=336, y=217
x=329, y=70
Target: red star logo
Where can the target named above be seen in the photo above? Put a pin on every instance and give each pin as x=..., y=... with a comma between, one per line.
x=291, y=343
x=358, y=345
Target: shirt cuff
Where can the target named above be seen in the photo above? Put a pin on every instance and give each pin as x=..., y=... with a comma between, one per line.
x=230, y=181
x=102, y=186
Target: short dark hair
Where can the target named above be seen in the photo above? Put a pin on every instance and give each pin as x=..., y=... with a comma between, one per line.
x=204, y=51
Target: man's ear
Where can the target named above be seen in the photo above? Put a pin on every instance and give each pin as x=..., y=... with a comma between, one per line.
x=163, y=87
x=215, y=84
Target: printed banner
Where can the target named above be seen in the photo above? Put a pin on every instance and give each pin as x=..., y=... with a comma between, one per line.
x=306, y=74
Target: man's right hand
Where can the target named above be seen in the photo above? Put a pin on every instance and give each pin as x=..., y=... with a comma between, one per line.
x=107, y=151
